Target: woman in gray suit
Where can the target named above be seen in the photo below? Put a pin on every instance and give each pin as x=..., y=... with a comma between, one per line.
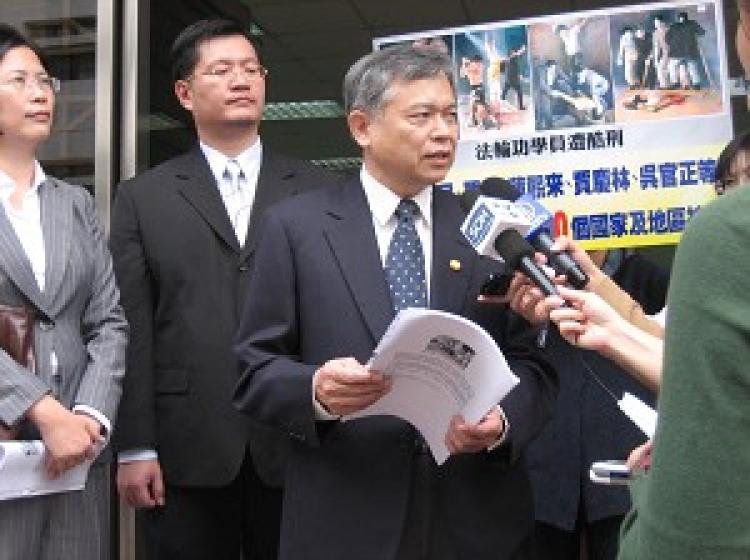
x=56, y=269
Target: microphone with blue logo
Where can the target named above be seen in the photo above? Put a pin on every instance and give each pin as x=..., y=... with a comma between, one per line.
x=538, y=233
x=495, y=228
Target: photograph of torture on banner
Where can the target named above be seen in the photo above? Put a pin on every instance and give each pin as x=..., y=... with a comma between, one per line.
x=667, y=63
x=572, y=73
x=493, y=84
x=622, y=149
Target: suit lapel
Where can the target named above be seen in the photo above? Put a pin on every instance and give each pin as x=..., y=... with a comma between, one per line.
x=453, y=258
x=198, y=186
x=274, y=183
x=57, y=214
x=15, y=264
x=351, y=236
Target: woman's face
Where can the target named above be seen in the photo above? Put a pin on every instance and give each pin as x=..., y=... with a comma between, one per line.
x=739, y=173
x=27, y=97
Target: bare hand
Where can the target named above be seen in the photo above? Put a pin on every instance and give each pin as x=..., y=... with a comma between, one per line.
x=589, y=322
x=640, y=457
x=69, y=438
x=140, y=483
x=472, y=438
x=343, y=386
x=526, y=299
x=566, y=244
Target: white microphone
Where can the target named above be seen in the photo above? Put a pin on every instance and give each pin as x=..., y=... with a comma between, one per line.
x=488, y=218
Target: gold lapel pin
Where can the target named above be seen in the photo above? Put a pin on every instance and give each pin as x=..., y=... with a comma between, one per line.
x=455, y=265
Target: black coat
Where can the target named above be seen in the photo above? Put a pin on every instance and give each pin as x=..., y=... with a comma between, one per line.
x=348, y=483
x=183, y=278
x=587, y=425
x=682, y=39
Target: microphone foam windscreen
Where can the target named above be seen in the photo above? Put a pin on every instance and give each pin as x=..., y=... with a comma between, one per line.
x=467, y=199
x=513, y=247
x=497, y=187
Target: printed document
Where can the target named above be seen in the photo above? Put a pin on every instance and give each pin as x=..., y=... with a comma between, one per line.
x=441, y=365
x=22, y=472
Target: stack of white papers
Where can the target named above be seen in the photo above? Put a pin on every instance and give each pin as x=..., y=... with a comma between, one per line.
x=441, y=365
x=22, y=472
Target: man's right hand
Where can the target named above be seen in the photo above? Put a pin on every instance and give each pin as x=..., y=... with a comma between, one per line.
x=343, y=386
x=140, y=483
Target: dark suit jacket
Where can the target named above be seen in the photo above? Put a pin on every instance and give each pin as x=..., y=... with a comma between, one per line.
x=322, y=294
x=183, y=279
x=587, y=425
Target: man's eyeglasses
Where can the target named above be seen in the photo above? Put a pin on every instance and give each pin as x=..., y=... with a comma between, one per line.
x=23, y=82
x=250, y=72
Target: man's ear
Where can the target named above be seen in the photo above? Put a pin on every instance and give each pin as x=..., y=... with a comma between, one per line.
x=359, y=126
x=184, y=94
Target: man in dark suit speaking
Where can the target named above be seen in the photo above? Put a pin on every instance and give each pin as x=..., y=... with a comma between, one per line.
x=183, y=240
x=329, y=286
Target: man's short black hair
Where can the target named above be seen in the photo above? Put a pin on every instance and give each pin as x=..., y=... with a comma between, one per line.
x=184, y=55
x=476, y=58
x=11, y=38
x=550, y=62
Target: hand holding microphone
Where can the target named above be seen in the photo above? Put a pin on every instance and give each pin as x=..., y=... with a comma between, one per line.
x=538, y=233
x=519, y=255
x=492, y=227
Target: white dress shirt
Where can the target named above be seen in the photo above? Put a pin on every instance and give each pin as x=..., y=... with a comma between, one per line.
x=27, y=225
x=237, y=195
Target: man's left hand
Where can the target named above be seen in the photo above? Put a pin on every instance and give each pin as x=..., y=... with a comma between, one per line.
x=463, y=437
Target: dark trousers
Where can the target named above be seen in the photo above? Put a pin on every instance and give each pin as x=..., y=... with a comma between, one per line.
x=420, y=539
x=239, y=521
x=600, y=539
x=423, y=537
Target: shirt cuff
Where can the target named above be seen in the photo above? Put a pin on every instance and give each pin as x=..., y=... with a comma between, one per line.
x=96, y=415
x=321, y=414
x=141, y=454
x=506, y=428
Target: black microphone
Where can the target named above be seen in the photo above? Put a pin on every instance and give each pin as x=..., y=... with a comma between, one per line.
x=519, y=255
x=467, y=199
x=540, y=239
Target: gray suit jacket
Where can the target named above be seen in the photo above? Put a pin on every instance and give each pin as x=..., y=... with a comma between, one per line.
x=80, y=317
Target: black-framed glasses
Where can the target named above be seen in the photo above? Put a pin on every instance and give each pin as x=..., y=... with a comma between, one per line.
x=21, y=81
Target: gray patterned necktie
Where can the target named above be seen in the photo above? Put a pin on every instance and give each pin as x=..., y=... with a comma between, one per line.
x=236, y=198
x=404, y=265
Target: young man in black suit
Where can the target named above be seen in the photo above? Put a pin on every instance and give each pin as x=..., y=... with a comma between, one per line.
x=369, y=489
x=183, y=241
